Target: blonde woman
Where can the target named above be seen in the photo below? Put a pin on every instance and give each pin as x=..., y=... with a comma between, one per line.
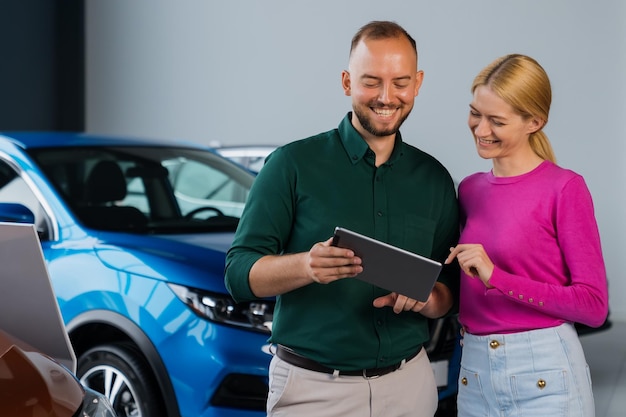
x=530, y=256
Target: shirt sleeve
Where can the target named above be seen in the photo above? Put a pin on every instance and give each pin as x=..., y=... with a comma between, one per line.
x=264, y=225
x=584, y=298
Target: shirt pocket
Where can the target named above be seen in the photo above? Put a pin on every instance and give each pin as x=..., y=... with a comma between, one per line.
x=416, y=234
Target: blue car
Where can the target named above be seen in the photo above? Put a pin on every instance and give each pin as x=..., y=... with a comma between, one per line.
x=134, y=233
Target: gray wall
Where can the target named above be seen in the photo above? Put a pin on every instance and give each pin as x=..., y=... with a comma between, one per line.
x=242, y=72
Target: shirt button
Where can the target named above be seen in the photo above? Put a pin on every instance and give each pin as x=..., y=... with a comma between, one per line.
x=540, y=303
x=494, y=344
x=530, y=300
x=521, y=297
x=379, y=322
x=510, y=292
x=379, y=214
x=354, y=157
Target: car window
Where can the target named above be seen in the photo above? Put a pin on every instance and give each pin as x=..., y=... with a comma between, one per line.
x=147, y=188
x=251, y=157
x=255, y=163
x=200, y=185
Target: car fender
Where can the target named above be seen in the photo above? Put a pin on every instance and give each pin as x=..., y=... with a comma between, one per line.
x=138, y=337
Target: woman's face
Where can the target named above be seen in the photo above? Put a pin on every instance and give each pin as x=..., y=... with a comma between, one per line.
x=499, y=132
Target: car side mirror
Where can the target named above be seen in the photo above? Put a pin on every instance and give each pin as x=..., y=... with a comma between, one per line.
x=16, y=213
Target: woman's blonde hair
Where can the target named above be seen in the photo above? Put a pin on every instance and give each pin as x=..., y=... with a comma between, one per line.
x=520, y=81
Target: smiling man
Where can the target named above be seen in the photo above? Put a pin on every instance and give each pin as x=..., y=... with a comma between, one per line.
x=383, y=82
x=345, y=347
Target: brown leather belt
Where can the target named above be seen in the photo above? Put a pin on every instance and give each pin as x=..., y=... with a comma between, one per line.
x=300, y=361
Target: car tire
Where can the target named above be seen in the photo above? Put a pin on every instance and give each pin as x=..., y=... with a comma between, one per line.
x=123, y=376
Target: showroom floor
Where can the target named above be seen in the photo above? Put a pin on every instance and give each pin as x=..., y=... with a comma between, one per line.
x=606, y=356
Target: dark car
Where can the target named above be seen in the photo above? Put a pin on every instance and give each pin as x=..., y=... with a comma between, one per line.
x=34, y=384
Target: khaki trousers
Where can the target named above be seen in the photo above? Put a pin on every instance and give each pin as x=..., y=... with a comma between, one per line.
x=410, y=391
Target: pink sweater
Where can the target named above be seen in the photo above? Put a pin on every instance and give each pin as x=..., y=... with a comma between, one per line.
x=540, y=232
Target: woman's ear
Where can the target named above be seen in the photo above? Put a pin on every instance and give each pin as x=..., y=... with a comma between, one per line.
x=535, y=125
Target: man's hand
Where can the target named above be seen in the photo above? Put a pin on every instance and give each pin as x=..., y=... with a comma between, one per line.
x=272, y=275
x=325, y=263
x=438, y=303
x=399, y=303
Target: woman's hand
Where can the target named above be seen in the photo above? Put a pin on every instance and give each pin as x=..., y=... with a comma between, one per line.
x=473, y=260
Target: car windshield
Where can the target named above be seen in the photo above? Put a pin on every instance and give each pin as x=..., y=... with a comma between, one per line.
x=147, y=189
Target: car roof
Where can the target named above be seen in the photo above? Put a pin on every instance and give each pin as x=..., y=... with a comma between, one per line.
x=246, y=148
x=31, y=140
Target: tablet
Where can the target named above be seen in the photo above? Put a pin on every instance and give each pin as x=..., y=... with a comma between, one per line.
x=390, y=267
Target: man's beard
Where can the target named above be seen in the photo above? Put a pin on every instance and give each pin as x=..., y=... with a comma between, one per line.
x=365, y=120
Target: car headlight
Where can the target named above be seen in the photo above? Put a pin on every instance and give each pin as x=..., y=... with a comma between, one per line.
x=221, y=308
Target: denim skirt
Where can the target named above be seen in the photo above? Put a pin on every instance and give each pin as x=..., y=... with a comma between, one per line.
x=528, y=374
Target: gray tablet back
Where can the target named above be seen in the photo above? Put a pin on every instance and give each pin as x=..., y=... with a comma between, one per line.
x=390, y=267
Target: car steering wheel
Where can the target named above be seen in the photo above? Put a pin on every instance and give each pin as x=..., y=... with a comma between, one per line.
x=193, y=212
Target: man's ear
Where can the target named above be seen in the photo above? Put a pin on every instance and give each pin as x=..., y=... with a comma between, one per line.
x=419, y=77
x=345, y=82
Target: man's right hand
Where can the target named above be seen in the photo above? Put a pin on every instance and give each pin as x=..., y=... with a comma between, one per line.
x=326, y=263
x=323, y=263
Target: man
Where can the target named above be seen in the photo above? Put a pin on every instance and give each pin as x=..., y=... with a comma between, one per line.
x=345, y=347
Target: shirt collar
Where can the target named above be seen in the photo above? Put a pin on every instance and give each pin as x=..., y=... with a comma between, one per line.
x=355, y=145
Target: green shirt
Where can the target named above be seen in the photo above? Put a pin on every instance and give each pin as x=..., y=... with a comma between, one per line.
x=308, y=187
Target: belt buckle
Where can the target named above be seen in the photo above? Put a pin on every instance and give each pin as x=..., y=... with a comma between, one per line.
x=387, y=370
x=365, y=376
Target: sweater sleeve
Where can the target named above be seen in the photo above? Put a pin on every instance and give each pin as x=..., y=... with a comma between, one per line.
x=584, y=298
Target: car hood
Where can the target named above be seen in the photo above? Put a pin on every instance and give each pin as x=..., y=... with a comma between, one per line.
x=219, y=242
x=195, y=260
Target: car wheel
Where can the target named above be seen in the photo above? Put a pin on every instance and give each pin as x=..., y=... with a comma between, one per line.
x=123, y=377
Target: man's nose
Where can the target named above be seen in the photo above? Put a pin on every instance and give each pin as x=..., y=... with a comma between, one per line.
x=385, y=93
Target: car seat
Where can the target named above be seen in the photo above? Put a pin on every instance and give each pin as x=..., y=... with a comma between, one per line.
x=105, y=187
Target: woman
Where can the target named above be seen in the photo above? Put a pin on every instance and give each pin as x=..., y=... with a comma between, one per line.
x=530, y=256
